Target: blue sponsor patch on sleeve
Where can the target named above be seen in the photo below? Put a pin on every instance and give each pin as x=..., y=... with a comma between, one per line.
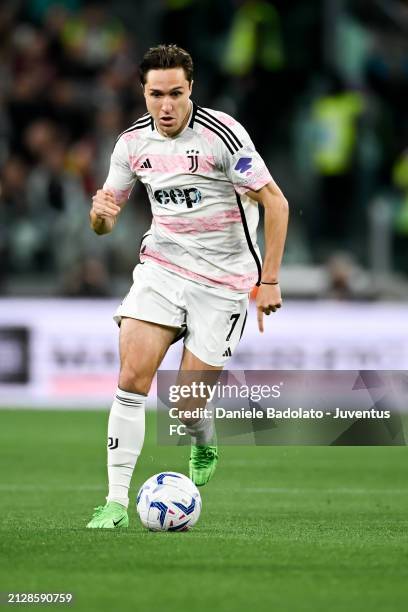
x=243, y=164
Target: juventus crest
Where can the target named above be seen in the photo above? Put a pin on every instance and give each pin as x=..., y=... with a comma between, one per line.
x=193, y=157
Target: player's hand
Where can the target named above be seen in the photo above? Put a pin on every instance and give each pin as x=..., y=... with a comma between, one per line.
x=268, y=299
x=104, y=204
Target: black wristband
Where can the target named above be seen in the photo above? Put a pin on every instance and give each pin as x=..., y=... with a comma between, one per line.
x=263, y=283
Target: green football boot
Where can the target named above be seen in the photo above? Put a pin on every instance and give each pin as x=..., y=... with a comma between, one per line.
x=110, y=516
x=203, y=461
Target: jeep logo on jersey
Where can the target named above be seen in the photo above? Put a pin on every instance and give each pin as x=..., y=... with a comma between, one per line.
x=193, y=157
x=243, y=164
x=188, y=196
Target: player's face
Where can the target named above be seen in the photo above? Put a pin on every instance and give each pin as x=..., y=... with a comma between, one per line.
x=167, y=94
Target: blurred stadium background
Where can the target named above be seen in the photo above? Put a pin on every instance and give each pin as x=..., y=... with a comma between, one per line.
x=320, y=86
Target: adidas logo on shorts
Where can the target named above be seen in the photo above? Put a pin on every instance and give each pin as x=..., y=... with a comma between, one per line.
x=227, y=353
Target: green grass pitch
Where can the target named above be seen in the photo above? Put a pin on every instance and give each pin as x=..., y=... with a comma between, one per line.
x=282, y=528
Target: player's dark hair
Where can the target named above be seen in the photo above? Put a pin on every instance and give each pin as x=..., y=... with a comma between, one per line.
x=166, y=56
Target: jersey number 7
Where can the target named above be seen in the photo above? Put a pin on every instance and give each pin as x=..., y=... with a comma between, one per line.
x=234, y=318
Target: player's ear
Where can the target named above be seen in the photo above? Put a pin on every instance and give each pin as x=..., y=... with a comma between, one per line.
x=191, y=86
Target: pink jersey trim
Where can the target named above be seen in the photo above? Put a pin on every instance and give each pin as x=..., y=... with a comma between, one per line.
x=223, y=117
x=120, y=194
x=261, y=180
x=213, y=223
x=208, y=134
x=171, y=163
x=242, y=283
x=133, y=135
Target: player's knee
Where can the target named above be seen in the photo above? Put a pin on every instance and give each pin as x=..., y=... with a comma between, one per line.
x=133, y=381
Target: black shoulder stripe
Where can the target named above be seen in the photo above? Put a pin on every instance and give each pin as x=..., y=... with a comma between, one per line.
x=140, y=123
x=220, y=127
x=227, y=143
x=248, y=238
x=141, y=119
x=144, y=119
x=224, y=128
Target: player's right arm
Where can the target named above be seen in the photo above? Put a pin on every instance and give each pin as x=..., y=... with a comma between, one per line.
x=104, y=211
x=109, y=201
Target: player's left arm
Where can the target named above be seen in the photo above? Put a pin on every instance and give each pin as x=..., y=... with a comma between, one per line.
x=248, y=173
x=276, y=210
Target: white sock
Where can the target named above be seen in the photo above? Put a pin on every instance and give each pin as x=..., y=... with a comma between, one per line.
x=126, y=429
x=203, y=431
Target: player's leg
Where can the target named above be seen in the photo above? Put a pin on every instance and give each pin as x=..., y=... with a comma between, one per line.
x=195, y=371
x=142, y=348
x=204, y=454
x=150, y=316
x=215, y=322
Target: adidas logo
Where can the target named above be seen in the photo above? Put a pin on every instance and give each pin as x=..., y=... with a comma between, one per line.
x=227, y=353
x=146, y=164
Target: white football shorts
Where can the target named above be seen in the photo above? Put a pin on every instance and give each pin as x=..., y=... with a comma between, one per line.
x=212, y=318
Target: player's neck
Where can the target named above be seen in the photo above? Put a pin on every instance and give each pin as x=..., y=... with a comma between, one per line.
x=182, y=126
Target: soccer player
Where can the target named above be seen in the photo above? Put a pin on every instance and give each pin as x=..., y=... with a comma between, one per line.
x=198, y=261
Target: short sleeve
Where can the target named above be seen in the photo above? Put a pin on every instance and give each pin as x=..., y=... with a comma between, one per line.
x=244, y=167
x=120, y=179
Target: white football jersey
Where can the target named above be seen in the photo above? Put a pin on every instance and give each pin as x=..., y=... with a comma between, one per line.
x=204, y=226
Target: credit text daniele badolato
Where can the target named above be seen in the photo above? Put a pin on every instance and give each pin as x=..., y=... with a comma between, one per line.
x=273, y=413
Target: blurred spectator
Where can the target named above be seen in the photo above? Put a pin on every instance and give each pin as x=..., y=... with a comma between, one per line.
x=254, y=39
x=334, y=118
x=90, y=39
x=38, y=10
x=254, y=58
x=19, y=242
x=400, y=179
x=39, y=136
x=88, y=278
x=345, y=281
x=58, y=206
